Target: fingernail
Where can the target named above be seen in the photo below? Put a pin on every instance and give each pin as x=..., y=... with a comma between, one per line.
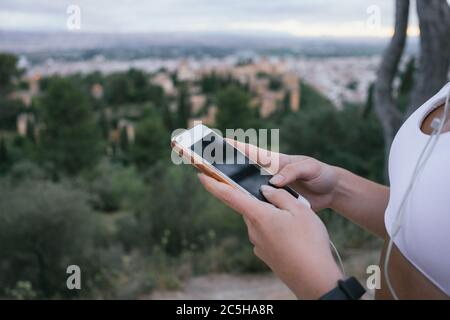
x=266, y=189
x=277, y=179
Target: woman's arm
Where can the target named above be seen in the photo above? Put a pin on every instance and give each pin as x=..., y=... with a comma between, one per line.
x=361, y=201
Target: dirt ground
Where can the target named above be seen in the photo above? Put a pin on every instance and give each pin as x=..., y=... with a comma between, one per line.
x=258, y=286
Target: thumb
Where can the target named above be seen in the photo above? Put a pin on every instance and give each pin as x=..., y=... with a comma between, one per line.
x=280, y=198
x=306, y=169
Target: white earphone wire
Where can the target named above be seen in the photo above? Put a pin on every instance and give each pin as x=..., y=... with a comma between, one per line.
x=338, y=257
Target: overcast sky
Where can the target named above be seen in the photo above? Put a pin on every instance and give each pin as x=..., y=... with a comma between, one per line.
x=298, y=18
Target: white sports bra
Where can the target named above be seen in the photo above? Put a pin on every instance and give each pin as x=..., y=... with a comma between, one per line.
x=424, y=238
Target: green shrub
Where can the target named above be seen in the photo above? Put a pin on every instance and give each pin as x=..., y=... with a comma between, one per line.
x=178, y=214
x=116, y=187
x=233, y=254
x=44, y=228
x=23, y=290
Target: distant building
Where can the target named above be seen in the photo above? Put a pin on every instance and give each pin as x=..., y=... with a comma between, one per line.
x=24, y=120
x=131, y=133
x=259, y=77
x=198, y=101
x=270, y=101
x=23, y=62
x=185, y=72
x=23, y=95
x=164, y=80
x=209, y=119
x=291, y=82
x=26, y=96
x=97, y=91
x=129, y=129
x=114, y=136
x=210, y=115
x=294, y=99
x=33, y=83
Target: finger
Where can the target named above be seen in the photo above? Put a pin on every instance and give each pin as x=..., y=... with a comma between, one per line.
x=263, y=157
x=280, y=198
x=252, y=234
x=259, y=253
x=305, y=169
x=258, y=155
x=250, y=230
x=248, y=206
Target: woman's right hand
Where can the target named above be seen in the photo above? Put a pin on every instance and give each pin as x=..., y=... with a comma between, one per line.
x=315, y=180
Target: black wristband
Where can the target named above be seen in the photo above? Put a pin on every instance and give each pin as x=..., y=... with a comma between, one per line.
x=349, y=289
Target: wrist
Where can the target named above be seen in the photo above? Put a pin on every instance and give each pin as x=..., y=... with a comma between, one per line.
x=320, y=281
x=327, y=281
x=346, y=289
x=340, y=190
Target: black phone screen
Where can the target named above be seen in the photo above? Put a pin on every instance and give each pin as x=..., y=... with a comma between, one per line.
x=234, y=164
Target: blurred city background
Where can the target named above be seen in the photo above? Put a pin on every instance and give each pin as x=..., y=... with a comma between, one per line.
x=86, y=115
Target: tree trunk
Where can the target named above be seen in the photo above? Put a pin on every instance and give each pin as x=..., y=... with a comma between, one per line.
x=434, y=60
x=385, y=105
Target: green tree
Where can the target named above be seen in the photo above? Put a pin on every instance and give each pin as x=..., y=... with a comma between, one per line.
x=209, y=83
x=139, y=86
x=8, y=71
x=312, y=99
x=234, y=109
x=183, y=107
x=123, y=140
x=275, y=83
x=151, y=142
x=4, y=156
x=368, y=107
x=168, y=117
x=343, y=138
x=118, y=89
x=30, y=132
x=104, y=124
x=132, y=87
x=70, y=139
x=9, y=110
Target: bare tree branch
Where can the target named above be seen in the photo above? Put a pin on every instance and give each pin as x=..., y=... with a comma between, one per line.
x=385, y=105
x=434, y=60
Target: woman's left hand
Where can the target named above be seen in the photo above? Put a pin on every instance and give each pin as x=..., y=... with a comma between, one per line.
x=287, y=236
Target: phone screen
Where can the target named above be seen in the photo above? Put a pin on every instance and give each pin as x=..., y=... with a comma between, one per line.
x=234, y=164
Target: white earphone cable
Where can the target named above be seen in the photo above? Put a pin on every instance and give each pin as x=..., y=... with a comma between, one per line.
x=338, y=256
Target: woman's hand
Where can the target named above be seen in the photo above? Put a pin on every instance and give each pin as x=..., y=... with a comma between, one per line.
x=357, y=199
x=314, y=180
x=287, y=236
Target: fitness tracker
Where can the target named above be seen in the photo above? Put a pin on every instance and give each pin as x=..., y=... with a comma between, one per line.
x=348, y=289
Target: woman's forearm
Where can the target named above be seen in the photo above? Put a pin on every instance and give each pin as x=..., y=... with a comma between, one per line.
x=361, y=201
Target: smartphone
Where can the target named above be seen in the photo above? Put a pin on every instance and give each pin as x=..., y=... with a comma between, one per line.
x=213, y=155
